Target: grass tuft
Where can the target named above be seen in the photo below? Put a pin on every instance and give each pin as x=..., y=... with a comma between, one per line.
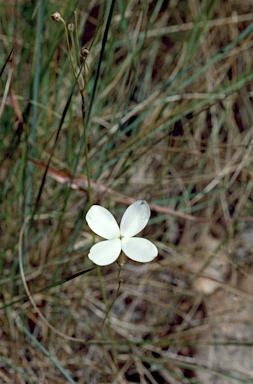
x=161, y=110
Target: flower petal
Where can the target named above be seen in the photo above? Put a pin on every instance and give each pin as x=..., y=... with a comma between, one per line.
x=105, y=252
x=139, y=249
x=135, y=218
x=102, y=222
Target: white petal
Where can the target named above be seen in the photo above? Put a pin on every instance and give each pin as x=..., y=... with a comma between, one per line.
x=105, y=252
x=139, y=249
x=102, y=222
x=135, y=218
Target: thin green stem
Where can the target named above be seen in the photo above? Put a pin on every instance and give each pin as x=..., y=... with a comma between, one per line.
x=114, y=354
x=86, y=150
x=77, y=75
x=76, y=38
x=117, y=294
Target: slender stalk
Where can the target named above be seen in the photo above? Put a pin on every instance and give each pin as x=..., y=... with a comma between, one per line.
x=117, y=294
x=114, y=354
x=86, y=150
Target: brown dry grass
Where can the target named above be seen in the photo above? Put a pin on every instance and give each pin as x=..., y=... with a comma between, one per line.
x=186, y=317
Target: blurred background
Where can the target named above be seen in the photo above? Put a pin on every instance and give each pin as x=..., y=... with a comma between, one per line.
x=161, y=111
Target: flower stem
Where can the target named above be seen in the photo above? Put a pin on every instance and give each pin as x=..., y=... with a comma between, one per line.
x=114, y=354
x=117, y=294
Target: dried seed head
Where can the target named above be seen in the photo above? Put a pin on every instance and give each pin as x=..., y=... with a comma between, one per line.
x=56, y=17
x=84, y=52
x=71, y=27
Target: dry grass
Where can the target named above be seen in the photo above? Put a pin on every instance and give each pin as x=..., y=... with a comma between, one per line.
x=172, y=123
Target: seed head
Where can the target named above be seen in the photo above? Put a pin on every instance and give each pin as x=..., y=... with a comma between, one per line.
x=56, y=17
x=84, y=52
x=71, y=27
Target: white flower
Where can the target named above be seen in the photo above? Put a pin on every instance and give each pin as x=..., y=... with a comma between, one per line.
x=135, y=218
